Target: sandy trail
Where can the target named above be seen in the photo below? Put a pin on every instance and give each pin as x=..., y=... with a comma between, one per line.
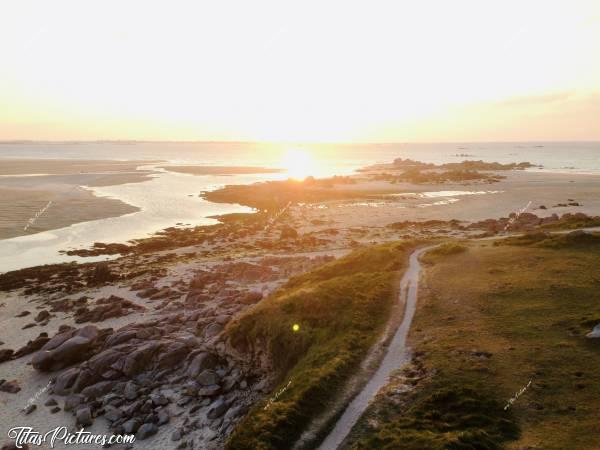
x=397, y=354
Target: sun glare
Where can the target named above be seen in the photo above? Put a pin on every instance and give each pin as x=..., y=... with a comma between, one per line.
x=299, y=164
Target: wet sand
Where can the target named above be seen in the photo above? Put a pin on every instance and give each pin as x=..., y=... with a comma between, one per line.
x=66, y=166
x=220, y=170
x=456, y=201
x=41, y=195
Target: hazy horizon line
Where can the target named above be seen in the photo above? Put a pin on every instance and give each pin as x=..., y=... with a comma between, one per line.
x=225, y=141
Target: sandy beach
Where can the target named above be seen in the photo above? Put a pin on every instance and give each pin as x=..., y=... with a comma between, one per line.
x=403, y=201
x=17, y=167
x=219, y=170
x=28, y=186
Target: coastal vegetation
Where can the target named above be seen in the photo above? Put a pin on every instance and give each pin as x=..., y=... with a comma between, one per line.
x=316, y=330
x=417, y=176
x=490, y=320
x=275, y=195
x=573, y=222
x=466, y=165
x=417, y=172
x=575, y=239
x=443, y=250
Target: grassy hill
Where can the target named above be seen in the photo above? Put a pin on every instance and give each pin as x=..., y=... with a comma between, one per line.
x=490, y=320
x=316, y=330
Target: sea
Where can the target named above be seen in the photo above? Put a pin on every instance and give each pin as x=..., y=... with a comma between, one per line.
x=170, y=198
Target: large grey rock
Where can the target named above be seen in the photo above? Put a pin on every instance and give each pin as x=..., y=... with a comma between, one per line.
x=72, y=350
x=112, y=413
x=86, y=378
x=209, y=391
x=145, y=431
x=235, y=412
x=119, y=337
x=73, y=401
x=209, y=434
x=58, y=340
x=103, y=360
x=159, y=400
x=163, y=417
x=84, y=416
x=131, y=391
x=139, y=359
x=208, y=377
x=42, y=315
x=212, y=330
x=65, y=381
x=42, y=360
x=6, y=354
x=173, y=354
x=201, y=361
x=217, y=409
x=131, y=426
x=176, y=435
x=97, y=390
x=89, y=332
x=31, y=346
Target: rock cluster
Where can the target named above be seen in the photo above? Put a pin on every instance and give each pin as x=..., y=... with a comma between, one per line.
x=141, y=376
x=176, y=368
x=105, y=308
x=526, y=221
x=514, y=222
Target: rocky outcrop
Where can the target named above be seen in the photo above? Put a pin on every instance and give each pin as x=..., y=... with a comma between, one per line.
x=33, y=346
x=528, y=221
x=65, y=349
x=106, y=308
x=101, y=274
x=6, y=354
x=142, y=375
x=174, y=369
x=514, y=222
x=12, y=387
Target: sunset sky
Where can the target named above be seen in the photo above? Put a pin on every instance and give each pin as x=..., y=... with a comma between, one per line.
x=304, y=71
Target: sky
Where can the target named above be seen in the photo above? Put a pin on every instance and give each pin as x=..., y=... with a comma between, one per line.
x=369, y=71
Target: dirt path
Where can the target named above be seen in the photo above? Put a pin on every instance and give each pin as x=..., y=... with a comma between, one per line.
x=397, y=354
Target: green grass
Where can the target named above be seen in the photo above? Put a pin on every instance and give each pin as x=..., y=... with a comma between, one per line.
x=447, y=413
x=443, y=250
x=340, y=308
x=541, y=239
x=572, y=222
x=488, y=321
x=274, y=195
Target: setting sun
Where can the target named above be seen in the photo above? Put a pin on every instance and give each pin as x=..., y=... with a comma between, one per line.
x=299, y=164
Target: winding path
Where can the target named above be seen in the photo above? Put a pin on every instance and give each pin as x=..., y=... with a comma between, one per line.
x=397, y=354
